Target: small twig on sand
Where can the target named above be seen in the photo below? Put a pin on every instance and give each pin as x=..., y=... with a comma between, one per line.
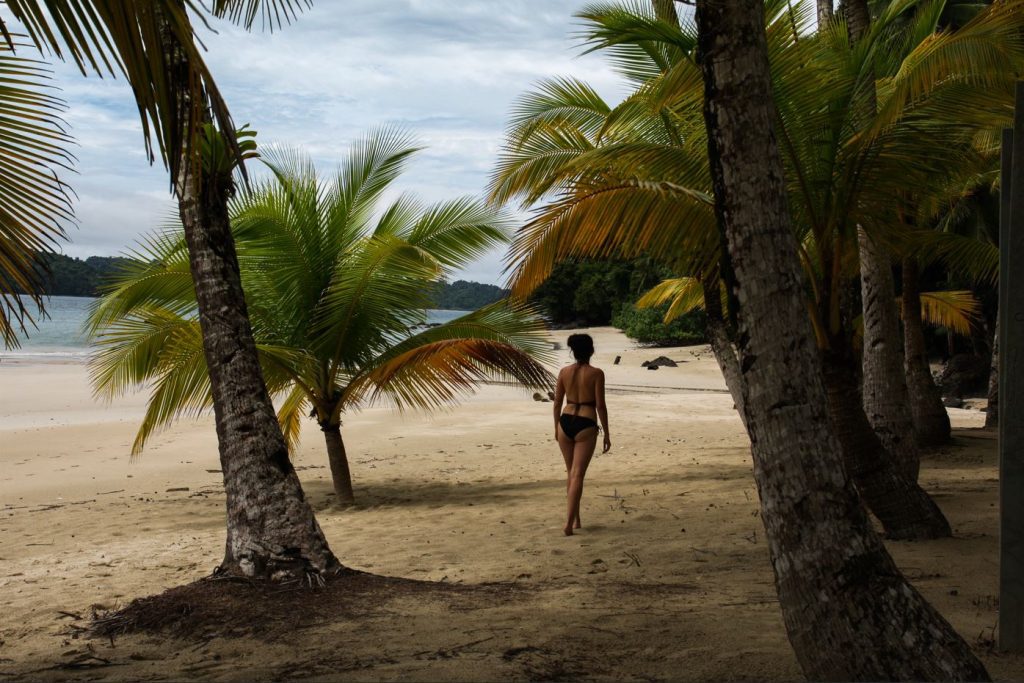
x=446, y=653
x=71, y=615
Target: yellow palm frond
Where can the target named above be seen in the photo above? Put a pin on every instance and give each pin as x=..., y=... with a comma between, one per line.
x=957, y=311
x=291, y=414
x=682, y=294
x=435, y=374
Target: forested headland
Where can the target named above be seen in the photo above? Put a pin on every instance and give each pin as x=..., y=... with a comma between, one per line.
x=70, y=276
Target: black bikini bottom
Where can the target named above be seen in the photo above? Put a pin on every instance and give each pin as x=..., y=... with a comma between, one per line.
x=574, y=424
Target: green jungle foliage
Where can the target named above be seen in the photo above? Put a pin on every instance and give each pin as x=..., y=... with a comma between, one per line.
x=590, y=292
x=647, y=326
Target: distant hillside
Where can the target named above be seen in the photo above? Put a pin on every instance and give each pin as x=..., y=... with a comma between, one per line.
x=466, y=296
x=74, y=277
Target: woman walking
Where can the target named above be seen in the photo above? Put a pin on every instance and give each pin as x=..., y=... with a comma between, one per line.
x=581, y=387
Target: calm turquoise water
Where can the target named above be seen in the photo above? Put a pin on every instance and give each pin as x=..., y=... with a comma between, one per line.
x=60, y=335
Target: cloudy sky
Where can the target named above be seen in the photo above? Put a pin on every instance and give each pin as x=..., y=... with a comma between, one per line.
x=448, y=70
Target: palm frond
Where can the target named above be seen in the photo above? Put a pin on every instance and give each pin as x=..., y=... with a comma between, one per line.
x=682, y=295
x=640, y=44
x=459, y=231
x=291, y=414
x=154, y=46
x=433, y=368
x=272, y=13
x=35, y=204
x=968, y=257
x=957, y=311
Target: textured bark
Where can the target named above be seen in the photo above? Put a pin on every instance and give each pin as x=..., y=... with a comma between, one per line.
x=722, y=344
x=340, y=474
x=271, y=530
x=824, y=12
x=905, y=510
x=931, y=421
x=849, y=613
x=885, y=396
x=992, y=412
x=857, y=17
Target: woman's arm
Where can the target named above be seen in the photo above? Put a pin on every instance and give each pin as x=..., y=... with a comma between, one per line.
x=602, y=410
x=559, y=397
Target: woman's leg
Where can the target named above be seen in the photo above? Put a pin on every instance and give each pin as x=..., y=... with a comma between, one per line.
x=583, y=451
x=567, y=446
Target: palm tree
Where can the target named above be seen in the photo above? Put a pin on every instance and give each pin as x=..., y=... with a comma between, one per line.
x=849, y=612
x=635, y=179
x=335, y=281
x=34, y=203
x=271, y=529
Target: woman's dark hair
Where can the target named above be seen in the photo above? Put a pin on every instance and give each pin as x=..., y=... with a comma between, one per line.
x=582, y=346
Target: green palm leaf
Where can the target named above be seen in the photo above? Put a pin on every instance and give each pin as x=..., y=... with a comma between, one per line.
x=35, y=204
x=334, y=282
x=134, y=38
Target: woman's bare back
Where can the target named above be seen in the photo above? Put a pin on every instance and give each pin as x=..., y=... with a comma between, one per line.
x=580, y=383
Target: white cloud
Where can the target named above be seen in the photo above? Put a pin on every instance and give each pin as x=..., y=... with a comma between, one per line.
x=447, y=71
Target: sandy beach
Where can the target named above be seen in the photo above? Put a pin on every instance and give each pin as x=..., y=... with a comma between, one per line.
x=669, y=578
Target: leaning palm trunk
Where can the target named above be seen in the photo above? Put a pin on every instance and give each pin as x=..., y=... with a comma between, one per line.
x=885, y=391
x=271, y=529
x=849, y=612
x=992, y=412
x=905, y=510
x=341, y=476
x=885, y=397
x=722, y=344
x=931, y=421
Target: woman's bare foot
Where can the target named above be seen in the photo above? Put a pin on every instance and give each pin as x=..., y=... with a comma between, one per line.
x=577, y=525
x=567, y=530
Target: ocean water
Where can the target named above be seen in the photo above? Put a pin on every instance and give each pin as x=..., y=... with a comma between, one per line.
x=60, y=334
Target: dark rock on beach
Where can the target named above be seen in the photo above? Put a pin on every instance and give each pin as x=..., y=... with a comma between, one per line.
x=660, y=361
x=965, y=375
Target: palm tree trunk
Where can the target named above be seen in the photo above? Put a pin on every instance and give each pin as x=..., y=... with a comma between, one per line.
x=824, y=13
x=849, y=612
x=931, y=421
x=271, y=530
x=858, y=19
x=722, y=344
x=885, y=396
x=905, y=510
x=340, y=474
x=992, y=412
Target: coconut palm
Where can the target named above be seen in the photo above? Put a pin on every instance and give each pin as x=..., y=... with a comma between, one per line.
x=874, y=626
x=634, y=178
x=34, y=203
x=334, y=280
x=271, y=529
